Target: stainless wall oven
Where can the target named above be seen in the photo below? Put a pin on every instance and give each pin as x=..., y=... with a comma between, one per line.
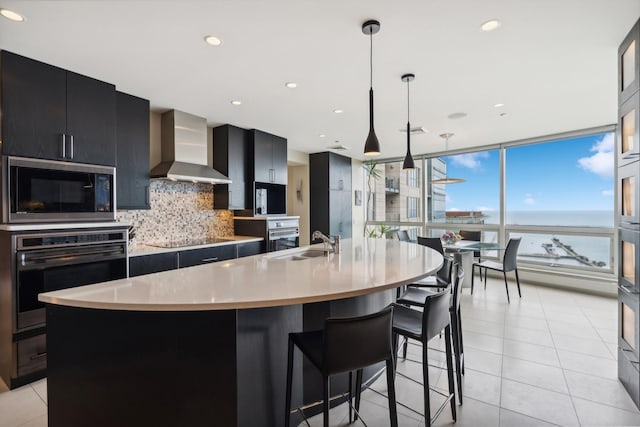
x=42, y=261
x=54, y=261
x=283, y=234
x=279, y=233
x=35, y=190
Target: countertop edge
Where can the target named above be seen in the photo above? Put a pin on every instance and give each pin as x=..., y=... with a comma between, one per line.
x=226, y=306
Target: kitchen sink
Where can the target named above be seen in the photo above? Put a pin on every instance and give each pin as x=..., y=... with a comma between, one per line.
x=299, y=256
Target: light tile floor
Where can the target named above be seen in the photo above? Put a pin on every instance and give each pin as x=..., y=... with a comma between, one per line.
x=546, y=359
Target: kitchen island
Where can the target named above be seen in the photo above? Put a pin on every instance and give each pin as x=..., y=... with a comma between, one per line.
x=207, y=345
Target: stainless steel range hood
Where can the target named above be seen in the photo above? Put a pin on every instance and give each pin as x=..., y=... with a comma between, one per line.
x=184, y=150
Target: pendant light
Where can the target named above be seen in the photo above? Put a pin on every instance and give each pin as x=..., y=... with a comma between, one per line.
x=372, y=145
x=408, y=159
x=447, y=180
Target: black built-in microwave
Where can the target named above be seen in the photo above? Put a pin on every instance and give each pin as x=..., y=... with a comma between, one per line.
x=35, y=190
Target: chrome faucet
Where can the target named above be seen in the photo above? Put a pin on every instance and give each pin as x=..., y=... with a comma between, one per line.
x=329, y=245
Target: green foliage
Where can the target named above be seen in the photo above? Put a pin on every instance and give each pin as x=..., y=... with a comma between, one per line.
x=380, y=231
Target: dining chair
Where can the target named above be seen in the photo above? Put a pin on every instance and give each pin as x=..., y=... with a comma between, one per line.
x=346, y=345
x=403, y=236
x=474, y=236
x=509, y=263
x=432, y=242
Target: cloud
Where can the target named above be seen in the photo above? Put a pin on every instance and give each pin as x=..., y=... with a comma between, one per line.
x=469, y=160
x=448, y=199
x=607, y=193
x=529, y=200
x=484, y=209
x=602, y=161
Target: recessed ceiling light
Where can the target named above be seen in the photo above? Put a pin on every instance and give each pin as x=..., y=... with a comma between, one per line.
x=490, y=25
x=455, y=116
x=503, y=114
x=213, y=40
x=498, y=105
x=338, y=111
x=291, y=85
x=236, y=102
x=322, y=135
x=11, y=15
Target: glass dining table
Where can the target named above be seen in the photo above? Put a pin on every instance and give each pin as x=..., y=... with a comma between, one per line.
x=462, y=251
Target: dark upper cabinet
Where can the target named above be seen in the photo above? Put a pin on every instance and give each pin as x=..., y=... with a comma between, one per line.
x=91, y=120
x=51, y=113
x=270, y=158
x=132, y=160
x=34, y=111
x=232, y=157
x=330, y=184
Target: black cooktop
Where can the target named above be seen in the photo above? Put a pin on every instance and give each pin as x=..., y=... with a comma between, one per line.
x=187, y=242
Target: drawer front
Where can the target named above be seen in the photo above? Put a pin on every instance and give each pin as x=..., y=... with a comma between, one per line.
x=32, y=354
x=206, y=255
x=250, y=248
x=148, y=264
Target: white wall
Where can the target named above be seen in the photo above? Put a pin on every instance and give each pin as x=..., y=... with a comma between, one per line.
x=298, y=191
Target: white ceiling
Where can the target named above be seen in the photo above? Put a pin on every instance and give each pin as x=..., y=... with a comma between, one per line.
x=552, y=63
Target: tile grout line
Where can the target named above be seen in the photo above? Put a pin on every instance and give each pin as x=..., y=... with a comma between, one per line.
x=566, y=383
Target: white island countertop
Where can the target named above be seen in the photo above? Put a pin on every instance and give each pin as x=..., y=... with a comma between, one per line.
x=363, y=266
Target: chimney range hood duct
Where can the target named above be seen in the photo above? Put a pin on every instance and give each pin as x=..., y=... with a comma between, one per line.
x=184, y=150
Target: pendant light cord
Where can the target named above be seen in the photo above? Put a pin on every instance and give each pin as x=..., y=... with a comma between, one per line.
x=371, y=58
x=408, y=101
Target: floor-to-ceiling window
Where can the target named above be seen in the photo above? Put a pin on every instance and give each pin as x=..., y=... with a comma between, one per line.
x=557, y=193
x=560, y=199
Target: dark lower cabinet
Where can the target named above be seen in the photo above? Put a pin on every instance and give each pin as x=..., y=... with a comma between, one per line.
x=147, y=264
x=132, y=165
x=32, y=355
x=249, y=248
x=205, y=255
x=54, y=114
x=154, y=263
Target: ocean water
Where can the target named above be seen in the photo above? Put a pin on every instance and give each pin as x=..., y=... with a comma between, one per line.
x=543, y=248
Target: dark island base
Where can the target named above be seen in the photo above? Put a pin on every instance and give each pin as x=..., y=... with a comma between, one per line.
x=203, y=368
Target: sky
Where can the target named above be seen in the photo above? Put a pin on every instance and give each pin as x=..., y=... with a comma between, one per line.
x=571, y=174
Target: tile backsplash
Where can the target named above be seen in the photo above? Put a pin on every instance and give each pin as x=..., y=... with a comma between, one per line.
x=179, y=211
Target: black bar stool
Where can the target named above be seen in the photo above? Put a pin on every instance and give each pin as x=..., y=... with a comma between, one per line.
x=422, y=326
x=416, y=297
x=346, y=345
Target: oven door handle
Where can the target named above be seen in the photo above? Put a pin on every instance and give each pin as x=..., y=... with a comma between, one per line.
x=28, y=261
x=283, y=234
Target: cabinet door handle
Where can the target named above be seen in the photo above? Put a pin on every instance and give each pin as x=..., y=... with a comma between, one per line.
x=212, y=259
x=146, y=194
x=229, y=203
x=71, y=146
x=64, y=146
x=39, y=356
